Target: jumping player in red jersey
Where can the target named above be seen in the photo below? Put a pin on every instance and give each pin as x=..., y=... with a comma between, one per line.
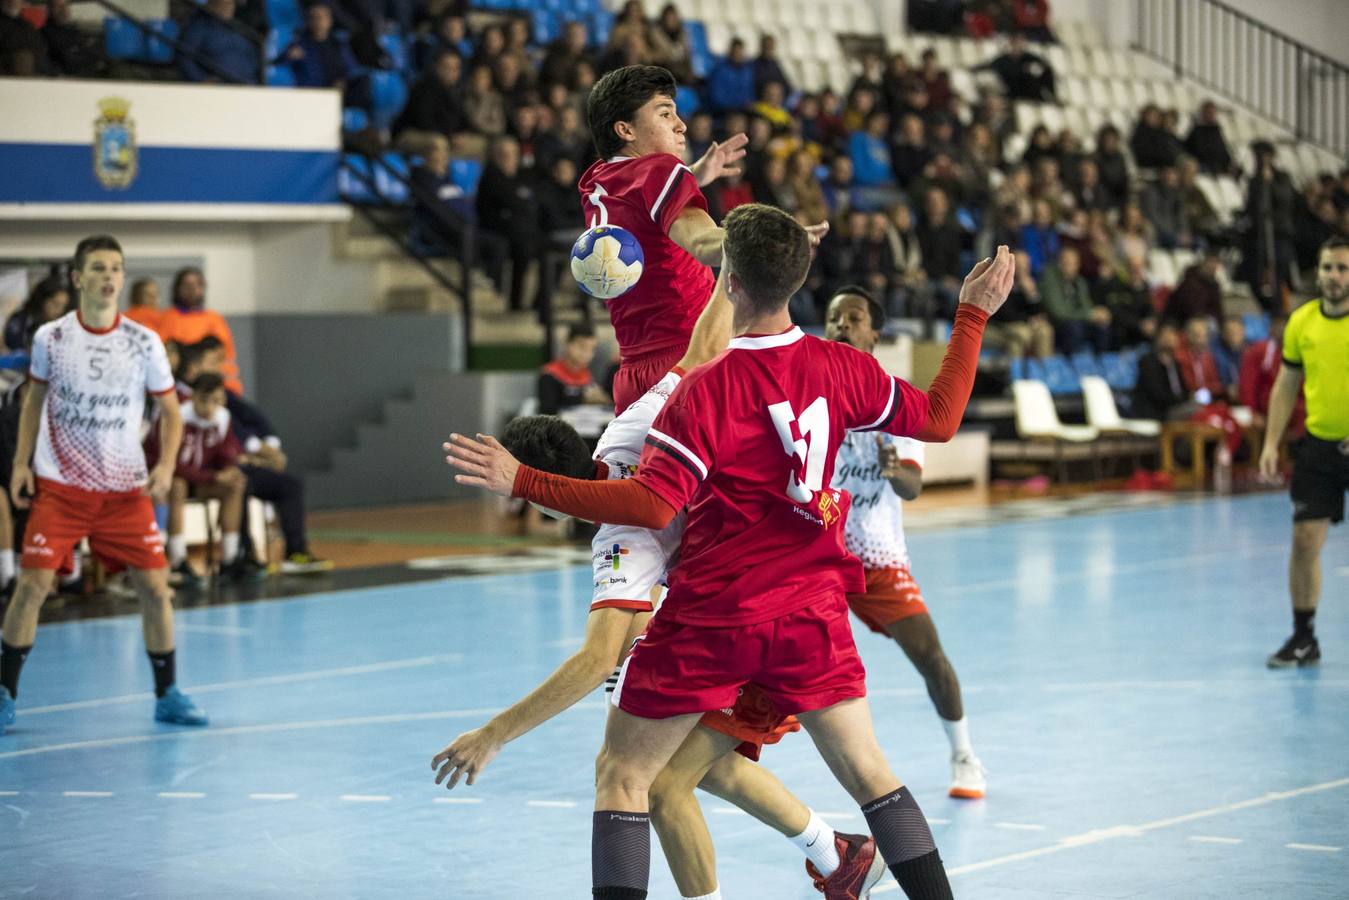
x=90, y=372
x=748, y=442
x=641, y=183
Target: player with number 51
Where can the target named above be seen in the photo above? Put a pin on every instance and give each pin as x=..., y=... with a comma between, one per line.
x=748, y=442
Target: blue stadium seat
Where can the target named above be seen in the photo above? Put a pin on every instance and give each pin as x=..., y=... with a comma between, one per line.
x=686, y=101
x=349, y=184
x=465, y=174
x=157, y=50
x=1035, y=370
x=392, y=188
x=388, y=93
x=545, y=27
x=1084, y=363
x=355, y=119
x=1120, y=369
x=122, y=39
x=1018, y=369
x=397, y=50
x=280, y=76
x=699, y=53
x=601, y=23
x=1060, y=377
x=283, y=13
x=1257, y=326
x=278, y=39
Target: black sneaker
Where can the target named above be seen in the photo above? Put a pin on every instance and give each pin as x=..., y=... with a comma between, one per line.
x=244, y=568
x=183, y=575
x=1296, y=651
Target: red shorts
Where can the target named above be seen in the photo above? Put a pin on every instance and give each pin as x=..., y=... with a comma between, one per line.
x=754, y=720
x=121, y=529
x=891, y=595
x=802, y=661
x=636, y=376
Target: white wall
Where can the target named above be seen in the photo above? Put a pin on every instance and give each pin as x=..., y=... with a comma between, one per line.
x=1322, y=25
x=250, y=268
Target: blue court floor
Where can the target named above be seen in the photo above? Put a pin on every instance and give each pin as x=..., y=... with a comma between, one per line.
x=1113, y=667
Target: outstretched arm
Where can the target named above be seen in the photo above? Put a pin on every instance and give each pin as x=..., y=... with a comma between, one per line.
x=712, y=331
x=606, y=637
x=486, y=464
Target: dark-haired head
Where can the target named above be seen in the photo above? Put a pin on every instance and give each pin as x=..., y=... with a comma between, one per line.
x=617, y=97
x=549, y=444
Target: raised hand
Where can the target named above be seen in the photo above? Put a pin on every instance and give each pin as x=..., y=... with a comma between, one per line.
x=717, y=161
x=990, y=281
x=484, y=462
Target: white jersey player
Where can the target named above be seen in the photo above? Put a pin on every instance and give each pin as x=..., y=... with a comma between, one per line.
x=880, y=471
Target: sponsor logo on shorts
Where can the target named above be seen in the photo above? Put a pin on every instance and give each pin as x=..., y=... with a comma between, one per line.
x=39, y=539
x=614, y=554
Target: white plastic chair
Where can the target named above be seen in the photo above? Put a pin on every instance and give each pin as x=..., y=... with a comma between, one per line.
x=1103, y=414
x=1036, y=416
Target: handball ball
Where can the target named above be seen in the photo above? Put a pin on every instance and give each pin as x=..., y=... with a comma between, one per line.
x=606, y=261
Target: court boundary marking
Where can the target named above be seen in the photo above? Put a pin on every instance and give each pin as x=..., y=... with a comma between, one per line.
x=1101, y=835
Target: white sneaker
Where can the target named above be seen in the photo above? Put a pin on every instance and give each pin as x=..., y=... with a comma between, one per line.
x=967, y=777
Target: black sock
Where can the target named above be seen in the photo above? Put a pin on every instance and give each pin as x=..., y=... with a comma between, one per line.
x=1302, y=622
x=620, y=854
x=162, y=665
x=923, y=878
x=905, y=842
x=11, y=661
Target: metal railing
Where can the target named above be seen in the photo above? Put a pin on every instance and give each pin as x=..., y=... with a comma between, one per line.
x=1301, y=90
x=153, y=33
x=456, y=233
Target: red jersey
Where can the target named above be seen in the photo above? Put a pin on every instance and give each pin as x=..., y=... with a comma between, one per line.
x=645, y=194
x=749, y=442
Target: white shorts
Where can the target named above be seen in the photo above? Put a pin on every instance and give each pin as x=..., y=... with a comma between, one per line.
x=629, y=562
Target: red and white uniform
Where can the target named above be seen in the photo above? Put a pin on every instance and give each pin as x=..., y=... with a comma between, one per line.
x=209, y=446
x=653, y=320
x=758, y=596
x=89, y=463
x=630, y=561
x=875, y=531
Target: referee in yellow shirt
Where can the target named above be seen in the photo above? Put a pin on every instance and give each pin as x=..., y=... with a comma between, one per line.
x=1315, y=360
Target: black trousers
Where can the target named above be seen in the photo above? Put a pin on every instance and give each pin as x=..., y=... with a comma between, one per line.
x=284, y=491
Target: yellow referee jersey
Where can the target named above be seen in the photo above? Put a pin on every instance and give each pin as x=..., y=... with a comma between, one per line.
x=1319, y=345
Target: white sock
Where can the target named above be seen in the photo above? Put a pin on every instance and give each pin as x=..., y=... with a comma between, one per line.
x=6, y=565
x=715, y=895
x=177, y=549
x=958, y=733
x=229, y=546
x=817, y=842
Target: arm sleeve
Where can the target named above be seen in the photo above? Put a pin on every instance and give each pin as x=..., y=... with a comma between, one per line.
x=158, y=374
x=668, y=189
x=618, y=502
x=227, y=454
x=39, y=363
x=681, y=448
x=901, y=409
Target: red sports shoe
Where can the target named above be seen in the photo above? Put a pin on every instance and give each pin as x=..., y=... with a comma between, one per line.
x=860, y=868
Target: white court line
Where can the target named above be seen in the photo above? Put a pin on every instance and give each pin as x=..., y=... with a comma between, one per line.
x=1209, y=839
x=552, y=804
x=458, y=800
x=1018, y=826
x=99, y=794
x=181, y=795
x=365, y=798
x=315, y=675
x=1320, y=848
x=205, y=733
x=122, y=622
x=9, y=793
x=1101, y=835
x=1107, y=571
x=273, y=796
x=729, y=811
x=837, y=815
x=1343, y=570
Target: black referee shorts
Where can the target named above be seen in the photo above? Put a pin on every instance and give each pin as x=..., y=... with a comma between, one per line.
x=1320, y=478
